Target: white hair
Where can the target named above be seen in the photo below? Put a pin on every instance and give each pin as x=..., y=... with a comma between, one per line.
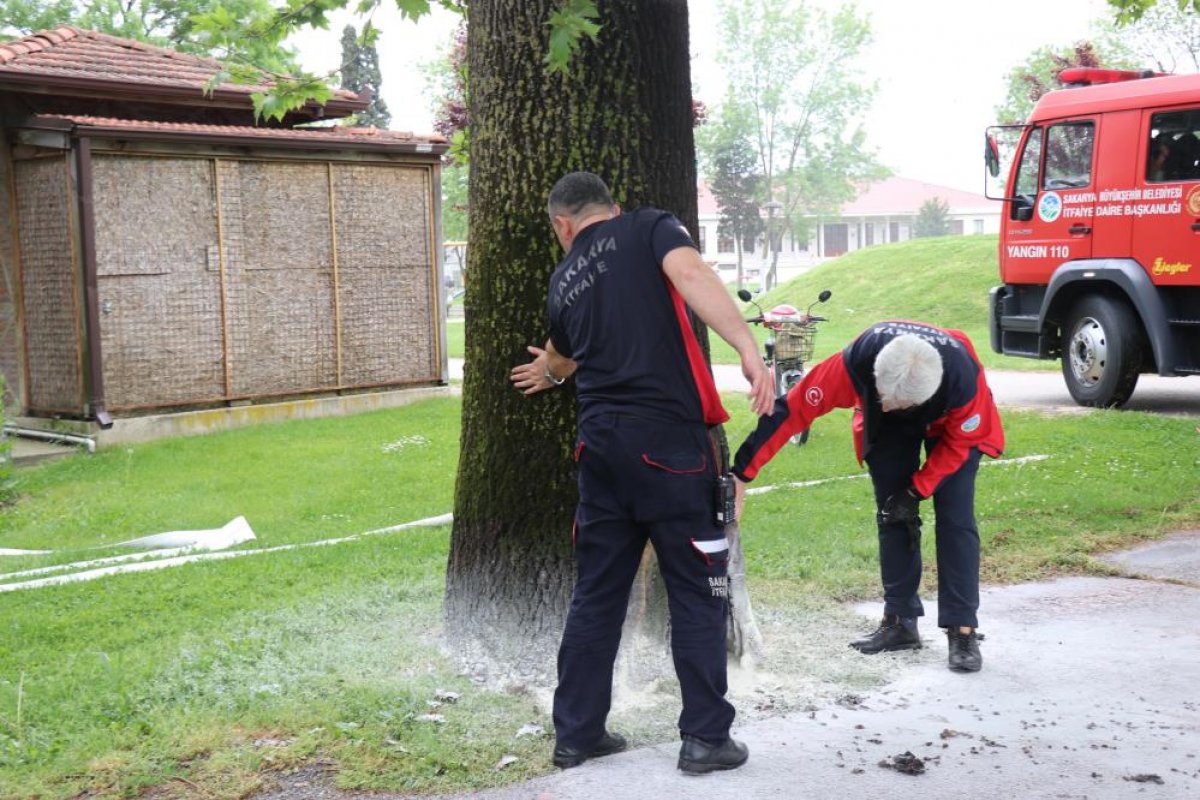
x=908, y=370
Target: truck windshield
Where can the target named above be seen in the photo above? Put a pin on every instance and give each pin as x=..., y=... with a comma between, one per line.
x=1031, y=161
x=1069, y=155
x=1024, y=193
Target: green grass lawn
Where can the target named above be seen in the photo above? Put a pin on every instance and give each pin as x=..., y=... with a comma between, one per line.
x=213, y=675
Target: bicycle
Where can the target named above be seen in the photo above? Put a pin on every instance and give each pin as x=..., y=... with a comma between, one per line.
x=791, y=337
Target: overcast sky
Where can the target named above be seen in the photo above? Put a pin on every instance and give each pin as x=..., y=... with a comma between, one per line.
x=940, y=67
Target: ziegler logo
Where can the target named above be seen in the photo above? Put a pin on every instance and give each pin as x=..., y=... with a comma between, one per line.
x=814, y=396
x=1193, y=202
x=1049, y=207
x=1164, y=268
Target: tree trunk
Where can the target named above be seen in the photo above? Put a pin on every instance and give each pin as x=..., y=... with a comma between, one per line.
x=624, y=113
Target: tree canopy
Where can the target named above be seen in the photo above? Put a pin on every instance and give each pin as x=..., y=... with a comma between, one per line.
x=932, y=218
x=360, y=72
x=1166, y=38
x=731, y=166
x=1133, y=10
x=1027, y=82
x=793, y=79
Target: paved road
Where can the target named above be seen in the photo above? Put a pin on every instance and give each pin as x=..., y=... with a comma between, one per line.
x=1046, y=390
x=1027, y=390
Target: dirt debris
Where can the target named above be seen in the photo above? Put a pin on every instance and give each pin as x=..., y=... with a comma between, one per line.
x=906, y=763
x=1145, y=778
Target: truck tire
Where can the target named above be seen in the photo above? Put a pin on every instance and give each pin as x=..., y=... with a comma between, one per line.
x=1102, y=344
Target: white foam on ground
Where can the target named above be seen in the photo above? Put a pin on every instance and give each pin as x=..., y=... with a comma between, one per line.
x=153, y=561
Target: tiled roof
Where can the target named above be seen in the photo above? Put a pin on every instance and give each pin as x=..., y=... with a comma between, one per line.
x=301, y=137
x=897, y=195
x=75, y=55
x=890, y=196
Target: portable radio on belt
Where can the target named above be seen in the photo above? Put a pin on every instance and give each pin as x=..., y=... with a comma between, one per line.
x=725, y=496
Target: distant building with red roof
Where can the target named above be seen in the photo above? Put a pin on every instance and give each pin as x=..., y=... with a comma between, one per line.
x=171, y=252
x=883, y=212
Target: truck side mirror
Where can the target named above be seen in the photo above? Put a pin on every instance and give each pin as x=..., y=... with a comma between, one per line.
x=991, y=155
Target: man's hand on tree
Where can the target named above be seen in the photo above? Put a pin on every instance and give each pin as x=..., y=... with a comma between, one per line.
x=532, y=377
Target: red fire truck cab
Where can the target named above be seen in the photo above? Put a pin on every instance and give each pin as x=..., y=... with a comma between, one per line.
x=1100, y=234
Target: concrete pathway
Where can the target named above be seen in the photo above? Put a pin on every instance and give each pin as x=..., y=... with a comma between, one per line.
x=1088, y=691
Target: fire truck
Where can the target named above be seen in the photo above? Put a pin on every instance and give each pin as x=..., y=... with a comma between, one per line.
x=1100, y=234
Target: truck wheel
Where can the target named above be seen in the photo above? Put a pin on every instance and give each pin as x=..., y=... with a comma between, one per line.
x=1102, y=346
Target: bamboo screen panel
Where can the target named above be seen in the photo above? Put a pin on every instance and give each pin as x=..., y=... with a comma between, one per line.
x=49, y=285
x=10, y=335
x=385, y=274
x=159, y=280
x=279, y=277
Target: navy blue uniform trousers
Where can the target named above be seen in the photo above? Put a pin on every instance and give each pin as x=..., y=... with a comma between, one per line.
x=892, y=461
x=644, y=480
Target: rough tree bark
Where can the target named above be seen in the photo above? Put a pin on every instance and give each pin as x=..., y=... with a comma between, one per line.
x=625, y=113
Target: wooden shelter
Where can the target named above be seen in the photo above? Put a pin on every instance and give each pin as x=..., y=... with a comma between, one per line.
x=160, y=251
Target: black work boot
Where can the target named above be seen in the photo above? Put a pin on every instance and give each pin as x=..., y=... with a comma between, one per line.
x=697, y=756
x=891, y=634
x=964, y=650
x=567, y=757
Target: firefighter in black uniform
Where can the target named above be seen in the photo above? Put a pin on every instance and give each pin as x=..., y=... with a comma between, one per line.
x=646, y=468
x=911, y=385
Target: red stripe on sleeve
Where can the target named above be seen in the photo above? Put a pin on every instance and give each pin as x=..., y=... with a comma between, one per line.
x=710, y=400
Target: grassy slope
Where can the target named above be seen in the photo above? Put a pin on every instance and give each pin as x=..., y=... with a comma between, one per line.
x=942, y=280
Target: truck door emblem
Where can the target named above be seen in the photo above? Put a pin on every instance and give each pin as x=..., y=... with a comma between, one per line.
x=1193, y=201
x=1049, y=207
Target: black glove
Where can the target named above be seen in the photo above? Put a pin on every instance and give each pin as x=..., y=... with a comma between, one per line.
x=903, y=507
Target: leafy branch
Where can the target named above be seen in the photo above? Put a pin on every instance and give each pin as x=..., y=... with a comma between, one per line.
x=1132, y=10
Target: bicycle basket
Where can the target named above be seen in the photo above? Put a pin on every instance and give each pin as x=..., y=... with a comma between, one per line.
x=795, y=341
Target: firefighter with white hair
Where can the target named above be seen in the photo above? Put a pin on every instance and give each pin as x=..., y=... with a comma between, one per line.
x=912, y=385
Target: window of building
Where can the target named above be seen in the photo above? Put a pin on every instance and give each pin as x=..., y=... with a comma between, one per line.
x=703, y=237
x=893, y=231
x=977, y=226
x=868, y=234
x=956, y=227
x=725, y=243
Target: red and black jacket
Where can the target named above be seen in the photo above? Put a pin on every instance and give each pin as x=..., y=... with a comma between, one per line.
x=960, y=416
